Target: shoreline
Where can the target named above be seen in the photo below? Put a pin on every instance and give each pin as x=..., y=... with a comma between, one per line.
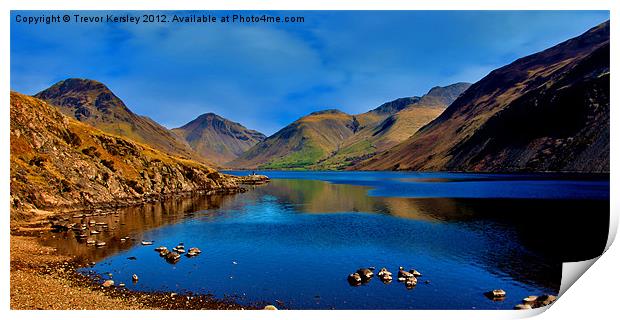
x=120, y=203
x=41, y=278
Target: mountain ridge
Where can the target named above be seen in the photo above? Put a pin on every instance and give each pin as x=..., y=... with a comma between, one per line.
x=560, y=95
x=92, y=102
x=328, y=139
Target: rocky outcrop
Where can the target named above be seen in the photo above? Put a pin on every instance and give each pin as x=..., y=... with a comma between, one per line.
x=60, y=163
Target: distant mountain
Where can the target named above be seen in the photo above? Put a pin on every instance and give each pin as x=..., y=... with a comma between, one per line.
x=545, y=112
x=218, y=139
x=62, y=164
x=92, y=102
x=332, y=139
x=393, y=123
x=301, y=143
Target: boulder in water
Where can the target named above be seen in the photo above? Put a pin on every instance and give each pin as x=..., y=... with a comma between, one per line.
x=385, y=275
x=173, y=257
x=497, y=294
x=404, y=275
x=354, y=279
x=415, y=273
x=164, y=252
x=365, y=273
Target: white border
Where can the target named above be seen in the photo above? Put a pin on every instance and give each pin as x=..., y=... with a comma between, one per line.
x=593, y=297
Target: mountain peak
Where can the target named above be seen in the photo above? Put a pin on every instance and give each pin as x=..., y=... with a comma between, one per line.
x=73, y=85
x=209, y=115
x=444, y=95
x=328, y=111
x=394, y=106
x=87, y=97
x=217, y=138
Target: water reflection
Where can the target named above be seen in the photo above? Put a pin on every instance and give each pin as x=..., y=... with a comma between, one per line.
x=526, y=233
x=123, y=228
x=299, y=226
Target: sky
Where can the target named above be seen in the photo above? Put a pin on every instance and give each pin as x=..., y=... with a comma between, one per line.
x=266, y=76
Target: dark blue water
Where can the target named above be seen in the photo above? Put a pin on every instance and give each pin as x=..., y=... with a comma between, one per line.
x=293, y=241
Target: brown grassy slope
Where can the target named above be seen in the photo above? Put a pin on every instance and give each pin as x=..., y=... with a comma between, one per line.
x=61, y=163
x=218, y=139
x=92, y=102
x=546, y=112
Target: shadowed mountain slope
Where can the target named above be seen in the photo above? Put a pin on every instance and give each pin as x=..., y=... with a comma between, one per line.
x=545, y=112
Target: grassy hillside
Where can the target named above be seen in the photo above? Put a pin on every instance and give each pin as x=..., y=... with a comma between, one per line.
x=301, y=143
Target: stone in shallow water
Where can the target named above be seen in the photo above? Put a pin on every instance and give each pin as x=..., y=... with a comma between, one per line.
x=385, y=275
x=173, y=257
x=108, y=283
x=415, y=273
x=545, y=300
x=365, y=273
x=496, y=294
x=354, y=279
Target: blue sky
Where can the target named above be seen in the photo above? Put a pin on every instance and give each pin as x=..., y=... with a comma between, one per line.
x=268, y=75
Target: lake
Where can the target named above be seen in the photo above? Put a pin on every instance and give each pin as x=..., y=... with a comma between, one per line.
x=294, y=241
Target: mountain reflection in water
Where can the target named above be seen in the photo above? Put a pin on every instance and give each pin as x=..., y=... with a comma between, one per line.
x=314, y=227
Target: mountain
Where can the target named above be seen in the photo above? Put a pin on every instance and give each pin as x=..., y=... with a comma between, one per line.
x=332, y=139
x=545, y=112
x=218, y=139
x=92, y=102
x=394, y=122
x=301, y=143
x=63, y=164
